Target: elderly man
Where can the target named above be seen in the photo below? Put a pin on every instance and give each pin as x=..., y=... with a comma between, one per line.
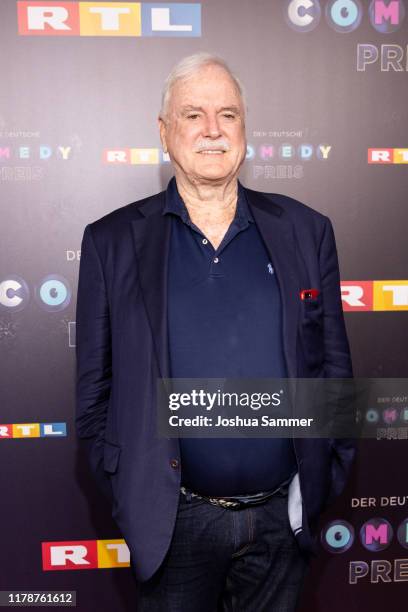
x=208, y=279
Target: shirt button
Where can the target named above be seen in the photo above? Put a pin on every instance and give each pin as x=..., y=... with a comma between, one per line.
x=205, y=241
x=174, y=463
x=216, y=260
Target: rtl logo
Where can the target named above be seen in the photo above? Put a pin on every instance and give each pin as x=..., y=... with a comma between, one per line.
x=374, y=295
x=108, y=19
x=387, y=156
x=32, y=430
x=85, y=554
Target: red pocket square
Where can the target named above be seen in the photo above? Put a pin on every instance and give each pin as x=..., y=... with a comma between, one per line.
x=309, y=294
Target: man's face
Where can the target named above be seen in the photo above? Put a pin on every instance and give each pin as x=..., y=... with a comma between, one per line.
x=204, y=130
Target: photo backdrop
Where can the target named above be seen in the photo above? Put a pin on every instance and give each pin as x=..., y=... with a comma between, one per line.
x=327, y=124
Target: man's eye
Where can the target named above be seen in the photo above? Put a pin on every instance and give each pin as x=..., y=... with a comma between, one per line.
x=229, y=115
x=192, y=116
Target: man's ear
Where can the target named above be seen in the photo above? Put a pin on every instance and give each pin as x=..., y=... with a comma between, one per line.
x=162, y=130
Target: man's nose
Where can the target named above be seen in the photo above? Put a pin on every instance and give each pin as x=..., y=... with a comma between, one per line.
x=212, y=127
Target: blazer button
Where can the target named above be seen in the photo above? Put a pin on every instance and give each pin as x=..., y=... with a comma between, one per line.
x=174, y=463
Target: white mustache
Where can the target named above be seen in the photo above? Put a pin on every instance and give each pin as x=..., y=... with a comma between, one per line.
x=212, y=145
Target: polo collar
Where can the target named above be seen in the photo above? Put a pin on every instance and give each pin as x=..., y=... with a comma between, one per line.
x=174, y=205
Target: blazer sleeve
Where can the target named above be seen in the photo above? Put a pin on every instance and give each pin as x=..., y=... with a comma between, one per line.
x=337, y=362
x=94, y=358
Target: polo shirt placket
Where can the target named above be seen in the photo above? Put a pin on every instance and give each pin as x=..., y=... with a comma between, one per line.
x=224, y=321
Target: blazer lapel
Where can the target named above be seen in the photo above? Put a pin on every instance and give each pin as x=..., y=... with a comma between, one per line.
x=151, y=234
x=276, y=229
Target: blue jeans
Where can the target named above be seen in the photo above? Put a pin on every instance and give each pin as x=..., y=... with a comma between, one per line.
x=226, y=560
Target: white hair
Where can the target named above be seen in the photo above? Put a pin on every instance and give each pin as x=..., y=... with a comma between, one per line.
x=188, y=67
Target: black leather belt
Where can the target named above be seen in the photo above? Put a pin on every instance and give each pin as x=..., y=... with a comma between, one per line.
x=238, y=501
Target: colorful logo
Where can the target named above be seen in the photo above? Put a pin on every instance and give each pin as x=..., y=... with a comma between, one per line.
x=33, y=430
x=402, y=533
x=404, y=415
x=303, y=15
x=386, y=17
x=374, y=295
x=390, y=415
x=52, y=293
x=287, y=151
x=376, y=534
x=14, y=293
x=85, y=554
x=41, y=152
x=338, y=536
x=135, y=156
x=372, y=416
x=344, y=15
x=108, y=19
x=387, y=156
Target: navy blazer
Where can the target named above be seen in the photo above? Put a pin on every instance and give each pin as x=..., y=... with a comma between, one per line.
x=122, y=348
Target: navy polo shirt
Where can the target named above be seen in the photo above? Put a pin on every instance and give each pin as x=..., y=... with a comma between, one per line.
x=224, y=321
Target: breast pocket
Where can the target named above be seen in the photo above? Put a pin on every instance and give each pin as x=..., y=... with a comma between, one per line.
x=312, y=331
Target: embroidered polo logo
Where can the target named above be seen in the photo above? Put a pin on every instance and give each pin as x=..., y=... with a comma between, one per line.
x=270, y=268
